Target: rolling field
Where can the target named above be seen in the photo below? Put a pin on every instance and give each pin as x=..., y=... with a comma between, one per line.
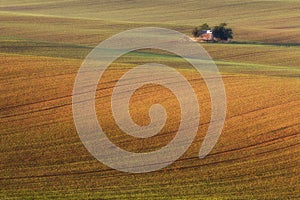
x=43, y=44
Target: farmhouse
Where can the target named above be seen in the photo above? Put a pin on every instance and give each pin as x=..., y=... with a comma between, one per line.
x=206, y=36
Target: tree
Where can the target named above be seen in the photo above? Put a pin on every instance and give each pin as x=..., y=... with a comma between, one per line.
x=222, y=32
x=198, y=30
x=204, y=27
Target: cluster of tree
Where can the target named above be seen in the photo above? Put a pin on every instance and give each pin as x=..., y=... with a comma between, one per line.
x=220, y=32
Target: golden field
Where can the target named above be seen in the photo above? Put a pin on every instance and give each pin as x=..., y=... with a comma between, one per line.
x=42, y=46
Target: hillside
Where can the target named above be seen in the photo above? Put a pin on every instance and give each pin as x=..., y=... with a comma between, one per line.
x=265, y=21
x=43, y=44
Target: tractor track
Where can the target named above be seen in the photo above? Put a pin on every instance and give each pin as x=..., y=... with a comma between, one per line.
x=171, y=169
x=269, y=142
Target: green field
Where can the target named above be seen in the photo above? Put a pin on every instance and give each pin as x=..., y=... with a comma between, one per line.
x=42, y=45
